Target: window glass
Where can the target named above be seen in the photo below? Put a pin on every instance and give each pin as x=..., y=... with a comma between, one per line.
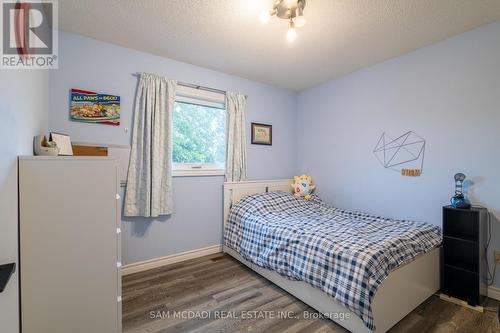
x=198, y=135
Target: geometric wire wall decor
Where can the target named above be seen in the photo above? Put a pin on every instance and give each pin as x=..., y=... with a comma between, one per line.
x=404, y=154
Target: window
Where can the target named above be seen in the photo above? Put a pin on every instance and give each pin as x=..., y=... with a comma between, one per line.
x=199, y=133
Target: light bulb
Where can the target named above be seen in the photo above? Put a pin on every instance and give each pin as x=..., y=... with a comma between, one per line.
x=265, y=16
x=291, y=34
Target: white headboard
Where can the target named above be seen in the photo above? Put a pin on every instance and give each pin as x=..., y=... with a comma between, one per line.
x=234, y=191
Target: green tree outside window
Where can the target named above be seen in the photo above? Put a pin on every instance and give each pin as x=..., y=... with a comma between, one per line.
x=198, y=134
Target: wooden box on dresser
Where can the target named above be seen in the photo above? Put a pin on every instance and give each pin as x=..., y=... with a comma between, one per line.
x=70, y=245
x=464, y=263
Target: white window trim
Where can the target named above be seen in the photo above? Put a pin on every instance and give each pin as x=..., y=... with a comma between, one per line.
x=200, y=97
x=196, y=170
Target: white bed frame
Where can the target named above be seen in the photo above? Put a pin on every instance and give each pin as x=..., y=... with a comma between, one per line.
x=403, y=290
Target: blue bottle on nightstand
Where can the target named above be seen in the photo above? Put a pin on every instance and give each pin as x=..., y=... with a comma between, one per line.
x=459, y=200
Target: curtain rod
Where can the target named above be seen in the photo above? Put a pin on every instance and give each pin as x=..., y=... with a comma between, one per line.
x=194, y=86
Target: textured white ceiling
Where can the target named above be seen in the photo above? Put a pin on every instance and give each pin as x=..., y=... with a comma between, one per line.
x=226, y=35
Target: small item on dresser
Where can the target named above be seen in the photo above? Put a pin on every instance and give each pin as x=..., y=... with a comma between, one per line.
x=86, y=150
x=63, y=142
x=459, y=200
x=43, y=147
x=302, y=186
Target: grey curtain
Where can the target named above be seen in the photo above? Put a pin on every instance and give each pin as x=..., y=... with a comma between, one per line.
x=149, y=180
x=236, y=149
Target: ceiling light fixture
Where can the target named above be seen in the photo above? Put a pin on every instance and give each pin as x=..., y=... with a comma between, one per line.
x=290, y=10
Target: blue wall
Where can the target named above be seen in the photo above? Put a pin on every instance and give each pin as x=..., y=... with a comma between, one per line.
x=197, y=221
x=24, y=110
x=449, y=93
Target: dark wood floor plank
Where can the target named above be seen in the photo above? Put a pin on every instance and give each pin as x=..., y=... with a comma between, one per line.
x=186, y=294
x=218, y=284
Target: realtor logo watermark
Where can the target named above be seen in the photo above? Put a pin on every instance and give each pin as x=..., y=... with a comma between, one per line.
x=29, y=34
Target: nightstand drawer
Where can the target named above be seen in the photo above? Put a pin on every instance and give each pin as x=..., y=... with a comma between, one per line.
x=461, y=284
x=461, y=254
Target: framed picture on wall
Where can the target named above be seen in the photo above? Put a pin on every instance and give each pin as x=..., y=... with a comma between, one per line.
x=262, y=134
x=95, y=108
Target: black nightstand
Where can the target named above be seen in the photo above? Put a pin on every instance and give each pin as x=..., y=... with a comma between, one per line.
x=463, y=268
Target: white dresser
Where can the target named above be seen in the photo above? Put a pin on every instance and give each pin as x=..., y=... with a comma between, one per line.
x=70, y=251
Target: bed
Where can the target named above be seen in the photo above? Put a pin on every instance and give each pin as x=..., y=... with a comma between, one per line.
x=329, y=258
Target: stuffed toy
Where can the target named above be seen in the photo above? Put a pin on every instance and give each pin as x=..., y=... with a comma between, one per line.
x=302, y=187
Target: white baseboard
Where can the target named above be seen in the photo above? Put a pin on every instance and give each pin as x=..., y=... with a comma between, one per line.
x=168, y=260
x=494, y=292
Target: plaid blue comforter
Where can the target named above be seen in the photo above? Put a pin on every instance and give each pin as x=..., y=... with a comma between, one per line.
x=344, y=253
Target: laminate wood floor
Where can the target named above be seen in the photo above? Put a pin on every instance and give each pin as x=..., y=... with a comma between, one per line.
x=218, y=294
